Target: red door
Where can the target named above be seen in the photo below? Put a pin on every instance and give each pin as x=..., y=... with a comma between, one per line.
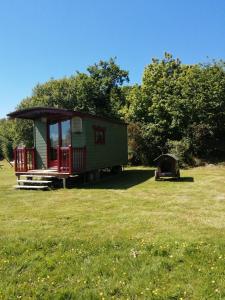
x=53, y=142
x=59, y=135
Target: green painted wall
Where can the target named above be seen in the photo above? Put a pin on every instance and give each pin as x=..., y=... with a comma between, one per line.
x=79, y=139
x=40, y=140
x=113, y=152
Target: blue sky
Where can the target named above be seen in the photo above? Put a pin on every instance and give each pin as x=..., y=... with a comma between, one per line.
x=51, y=38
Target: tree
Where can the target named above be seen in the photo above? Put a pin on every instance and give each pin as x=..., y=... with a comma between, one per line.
x=181, y=105
x=6, y=139
x=108, y=78
x=97, y=92
x=177, y=107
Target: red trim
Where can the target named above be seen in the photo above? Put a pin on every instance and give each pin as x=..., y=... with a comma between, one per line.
x=51, y=163
x=48, y=147
x=56, y=163
x=15, y=158
x=98, y=127
x=58, y=158
x=60, y=133
x=24, y=159
x=70, y=160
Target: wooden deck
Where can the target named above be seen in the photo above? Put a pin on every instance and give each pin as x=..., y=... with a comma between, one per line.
x=44, y=173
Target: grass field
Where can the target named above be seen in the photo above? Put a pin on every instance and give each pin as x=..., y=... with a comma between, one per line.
x=127, y=237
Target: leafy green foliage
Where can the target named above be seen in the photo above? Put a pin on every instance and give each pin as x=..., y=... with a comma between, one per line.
x=96, y=92
x=108, y=77
x=175, y=103
x=135, y=144
x=181, y=149
x=6, y=139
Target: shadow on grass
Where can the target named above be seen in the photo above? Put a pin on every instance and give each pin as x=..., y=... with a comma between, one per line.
x=181, y=179
x=122, y=181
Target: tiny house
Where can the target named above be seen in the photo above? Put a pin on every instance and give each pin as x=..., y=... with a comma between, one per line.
x=68, y=143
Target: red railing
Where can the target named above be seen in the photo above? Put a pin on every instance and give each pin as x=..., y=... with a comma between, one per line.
x=64, y=156
x=79, y=159
x=71, y=160
x=24, y=159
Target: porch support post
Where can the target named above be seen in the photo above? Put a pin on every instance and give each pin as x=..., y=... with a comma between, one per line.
x=70, y=159
x=25, y=159
x=58, y=158
x=33, y=159
x=64, y=183
x=15, y=159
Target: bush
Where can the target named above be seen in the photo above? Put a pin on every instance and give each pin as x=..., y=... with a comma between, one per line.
x=202, y=139
x=7, y=150
x=182, y=150
x=135, y=144
x=1, y=153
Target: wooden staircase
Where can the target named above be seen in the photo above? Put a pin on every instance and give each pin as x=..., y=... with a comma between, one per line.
x=34, y=182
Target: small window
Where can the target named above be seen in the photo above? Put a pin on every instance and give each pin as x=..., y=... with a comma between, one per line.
x=99, y=135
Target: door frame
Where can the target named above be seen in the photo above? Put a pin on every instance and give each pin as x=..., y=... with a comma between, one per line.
x=54, y=163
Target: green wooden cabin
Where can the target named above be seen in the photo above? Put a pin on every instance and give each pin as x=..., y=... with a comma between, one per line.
x=68, y=142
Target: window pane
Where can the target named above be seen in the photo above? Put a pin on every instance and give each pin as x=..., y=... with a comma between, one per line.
x=66, y=133
x=54, y=135
x=99, y=135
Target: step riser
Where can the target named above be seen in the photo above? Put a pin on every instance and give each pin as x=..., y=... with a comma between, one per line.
x=31, y=187
x=34, y=181
x=38, y=176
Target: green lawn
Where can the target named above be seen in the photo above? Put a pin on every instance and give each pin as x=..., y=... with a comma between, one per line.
x=127, y=237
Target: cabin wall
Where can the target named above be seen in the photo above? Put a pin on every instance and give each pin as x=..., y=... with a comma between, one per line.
x=113, y=152
x=79, y=139
x=40, y=138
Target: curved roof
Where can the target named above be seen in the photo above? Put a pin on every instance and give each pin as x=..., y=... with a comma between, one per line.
x=166, y=155
x=55, y=113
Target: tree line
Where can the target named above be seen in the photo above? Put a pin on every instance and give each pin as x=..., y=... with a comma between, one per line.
x=177, y=108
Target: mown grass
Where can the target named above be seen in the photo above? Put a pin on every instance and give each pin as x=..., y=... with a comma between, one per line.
x=127, y=237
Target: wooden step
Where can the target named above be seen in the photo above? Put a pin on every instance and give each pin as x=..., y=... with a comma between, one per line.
x=39, y=176
x=33, y=181
x=32, y=187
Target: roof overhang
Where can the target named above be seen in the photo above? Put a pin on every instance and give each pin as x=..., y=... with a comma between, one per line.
x=55, y=114
x=40, y=112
